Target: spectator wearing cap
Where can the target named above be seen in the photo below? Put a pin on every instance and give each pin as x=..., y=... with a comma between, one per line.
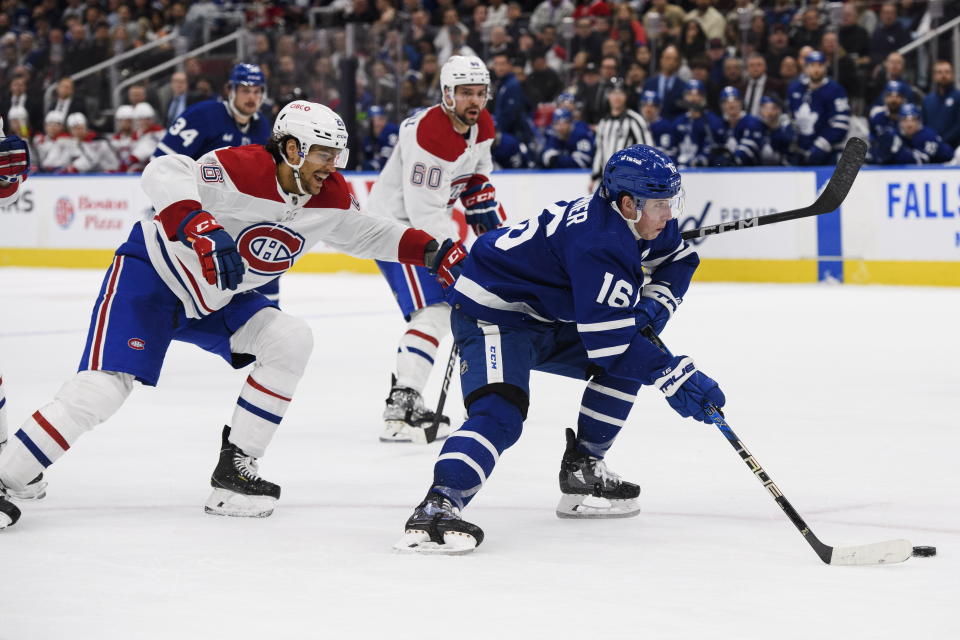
x=889, y=35
x=54, y=128
x=149, y=134
x=758, y=84
x=666, y=84
x=709, y=18
x=83, y=151
x=511, y=109
x=820, y=111
x=380, y=139
x=663, y=22
x=621, y=128
x=569, y=143
x=124, y=136
x=661, y=129
x=550, y=12
x=941, y=107
x=778, y=133
x=742, y=133
x=778, y=48
x=698, y=130
x=913, y=143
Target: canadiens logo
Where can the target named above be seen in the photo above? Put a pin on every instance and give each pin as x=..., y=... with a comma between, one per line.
x=269, y=249
x=136, y=343
x=63, y=212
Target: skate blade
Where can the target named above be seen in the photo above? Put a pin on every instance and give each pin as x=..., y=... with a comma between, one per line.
x=237, y=505
x=585, y=507
x=402, y=432
x=9, y=513
x=454, y=544
x=33, y=491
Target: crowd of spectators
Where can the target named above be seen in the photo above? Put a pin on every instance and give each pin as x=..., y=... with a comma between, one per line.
x=715, y=82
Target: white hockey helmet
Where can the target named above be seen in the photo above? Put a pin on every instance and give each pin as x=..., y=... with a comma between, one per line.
x=18, y=113
x=76, y=120
x=312, y=123
x=460, y=70
x=143, y=111
x=124, y=112
x=57, y=117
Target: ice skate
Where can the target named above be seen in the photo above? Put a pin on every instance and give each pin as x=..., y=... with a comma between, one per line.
x=237, y=489
x=36, y=489
x=436, y=528
x=590, y=490
x=9, y=513
x=405, y=417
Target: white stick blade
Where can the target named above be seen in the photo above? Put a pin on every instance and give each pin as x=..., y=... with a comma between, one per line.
x=889, y=552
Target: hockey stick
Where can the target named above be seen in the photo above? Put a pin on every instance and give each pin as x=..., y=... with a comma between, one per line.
x=887, y=552
x=832, y=196
x=431, y=431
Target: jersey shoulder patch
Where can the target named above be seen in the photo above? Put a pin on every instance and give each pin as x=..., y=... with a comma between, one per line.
x=252, y=170
x=436, y=136
x=485, y=129
x=334, y=195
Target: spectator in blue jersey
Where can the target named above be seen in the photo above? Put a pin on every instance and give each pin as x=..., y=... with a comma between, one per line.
x=378, y=144
x=778, y=133
x=820, y=111
x=509, y=153
x=883, y=118
x=742, y=135
x=569, y=143
x=698, y=130
x=211, y=125
x=661, y=129
x=941, y=107
x=510, y=108
x=915, y=144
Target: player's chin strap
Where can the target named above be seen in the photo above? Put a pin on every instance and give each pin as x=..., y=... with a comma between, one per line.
x=452, y=108
x=232, y=110
x=296, y=168
x=631, y=223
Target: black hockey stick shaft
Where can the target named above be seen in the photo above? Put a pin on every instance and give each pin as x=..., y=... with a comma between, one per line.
x=431, y=431
x=825, y=552
x=829, y=200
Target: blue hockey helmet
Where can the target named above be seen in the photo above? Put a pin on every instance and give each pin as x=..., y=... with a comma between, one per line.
x=649, y=97
x=815, y=56
x=910, y=110
x=248, y=75
x=730, y=93
x=897, y=87
x=643, y=172
x=376, y=110
x=693, y=85
x=565, y=97
x=561, y=114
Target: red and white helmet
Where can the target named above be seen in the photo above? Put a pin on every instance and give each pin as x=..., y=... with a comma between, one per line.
x=312, y=123
x=460, y=70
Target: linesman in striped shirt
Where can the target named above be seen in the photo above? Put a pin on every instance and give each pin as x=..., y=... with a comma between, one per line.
x=620, y=129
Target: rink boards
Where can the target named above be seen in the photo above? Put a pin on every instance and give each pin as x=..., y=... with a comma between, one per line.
x=899, y=225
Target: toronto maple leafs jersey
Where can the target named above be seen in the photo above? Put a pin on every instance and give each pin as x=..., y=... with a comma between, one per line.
x=429, y=168
x=923, y=147
x=696, y=138
x=880, y=122
x=208, y=125
x=509, y=153
x=775, y=146
x=743, y=140
x=272, y=228
x=377, y=149
x=821, y=116
x=576, y=152
x=664, y=137
x=578, y=262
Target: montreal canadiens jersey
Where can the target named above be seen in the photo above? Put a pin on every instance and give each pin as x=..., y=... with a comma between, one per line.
x=429, y=168
x=272, y=228
x=10, y=191
x=578, y=262
x=208, y=125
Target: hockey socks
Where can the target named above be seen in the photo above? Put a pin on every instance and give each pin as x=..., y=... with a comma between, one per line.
x=417, y=350
x=606, y=404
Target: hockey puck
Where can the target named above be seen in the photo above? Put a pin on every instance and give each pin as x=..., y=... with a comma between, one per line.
x=924, y=552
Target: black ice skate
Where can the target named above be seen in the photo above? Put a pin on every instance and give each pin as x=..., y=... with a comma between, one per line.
x=590, y=490
x=405, y=417
x=237, y=489
x=9, y=513
x=36, y=489
x=436, y=527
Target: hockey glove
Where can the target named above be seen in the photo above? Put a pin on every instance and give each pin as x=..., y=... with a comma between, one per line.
x=482, y=211
x=14, y=158
x=656, y=306
x=219, y=259
x=444, y=263
x=688, y=391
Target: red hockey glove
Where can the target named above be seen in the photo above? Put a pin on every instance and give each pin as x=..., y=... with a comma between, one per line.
x=219, y=259
x=445, y=263
x=483, y=213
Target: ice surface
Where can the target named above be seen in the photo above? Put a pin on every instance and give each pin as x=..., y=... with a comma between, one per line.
x=846, y=395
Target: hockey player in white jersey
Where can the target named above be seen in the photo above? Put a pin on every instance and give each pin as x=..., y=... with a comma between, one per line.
x=443, y=153
x=225, y=224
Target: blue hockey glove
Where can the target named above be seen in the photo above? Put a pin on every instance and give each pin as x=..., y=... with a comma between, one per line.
x=14, y=158
x=445, y=263
x=219, y=259
x=656, y=306
x=688, y=391
x=480, y=201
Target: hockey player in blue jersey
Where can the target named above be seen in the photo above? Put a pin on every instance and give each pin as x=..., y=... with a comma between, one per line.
x=566, y=292
x=778, y=133
x=883, y=118
x=820, y=111
x=913, y=143
x=698, y=130
x=213, y=124
x=379, y=143
x=509, y=153
x=664, y=135
x=569, y=144
x=742, y=135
